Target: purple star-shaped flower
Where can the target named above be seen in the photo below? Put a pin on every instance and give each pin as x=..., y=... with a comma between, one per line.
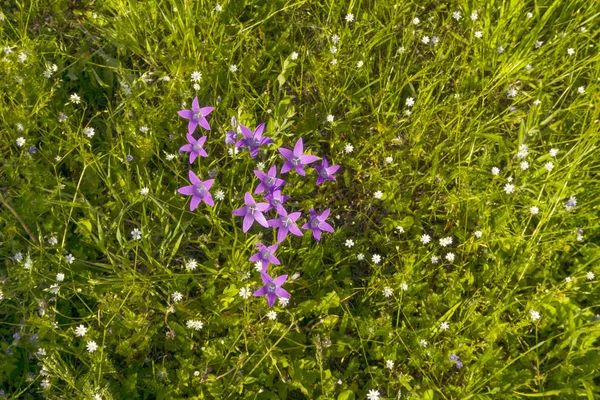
x=194, y=147
x=198, y=190
x=275, y=199
x=265, y=255
x=251, y=212
x=253, y=140
x=296, y=159
x=326, y=172
x=272, y=288
x=286, y=223
x=317, y=223
x=197, y=116
x=268, y=181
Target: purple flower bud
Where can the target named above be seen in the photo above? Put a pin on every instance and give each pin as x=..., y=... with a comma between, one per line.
x=32, y=150
x=453, y=357
x=459, y=365
x=129, y=157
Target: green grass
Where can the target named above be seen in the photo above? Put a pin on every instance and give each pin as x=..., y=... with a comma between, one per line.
x=433, y=168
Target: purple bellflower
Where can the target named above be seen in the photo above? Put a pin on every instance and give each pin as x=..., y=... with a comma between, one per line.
x=275, y=199
x=194, y=147
x=251, y=212
x=196, y=115
x=198, y=190
x=265, y=255
x=231, y=137
x=269, y=181
x=326, y=172
x=296, y=159
x=272, y=288
x=253, y=140
x=286, y=223
x=317, y=223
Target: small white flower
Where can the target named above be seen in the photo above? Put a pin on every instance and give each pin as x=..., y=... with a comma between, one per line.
x=28, y=263
x=144, y=129
x=272, y=315
x=524, y=165
x=191, y=264
x=478, y=234
x=478, y=34
x=196, y=76
x=590, y=276
x=450, y=257
x=512, y=92
x=360, y=256
x=509, y=188
x=349, y=243
x=258, y=266
x=333, y=49
x=389, y=364
x=387, y=292
x=409, y=102
x=423, y=343
x=194, y=324
x=220, y=195
x=537, y=102
x=435, y=40
x=407, y=112
x=69, y=258
x=389, y=160
x=529, y=67
x=218, y=7
x=283, y=302
x=75, y=99
x=529, y=15
x=538, y=44
x=45, y=384
x=404, y=286
x=534, y=315
x=373, y=394
x=294, y=56
x=196, y=86
x=60, y=277
x=359, y=64
x=169, y=157
x=81, y=331
x=232, y=151
x=333, y=62
x=376, y=258
x=444, y=326
x=534, y=210
x=176, y=296
x=97, y=397
x=581, y=90
x=166, y=78
x=416, y=21
x=579, y=237
x=233, y=68
x=245, y=293
x=571, y=51
x=89, y=132
x=456, y=15
x=20, y=141
x=144, y=191
x=349, y=17
x=549, y=166
x=434, y=259
x=378, y=194
x=474, y=16
x=425, y=40
x=136, y=234
x=495, y=171
x=335, y=39
x=18, y=257
x=500, y=49
x=41, y=352
x=52, y=241
x=446, y=241
x=425, y=238
x=91, y=346
x=568, y=279
x=553, y=152
x=260, y=166
x=400, y=229
x=330, y=118
x=22, y=57
x=401, y=50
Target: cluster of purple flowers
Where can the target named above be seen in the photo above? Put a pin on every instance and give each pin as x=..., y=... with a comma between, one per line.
x=457, y=362
x=270, y=187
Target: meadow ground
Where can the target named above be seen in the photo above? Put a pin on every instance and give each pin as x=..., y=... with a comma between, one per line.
x=449, y=166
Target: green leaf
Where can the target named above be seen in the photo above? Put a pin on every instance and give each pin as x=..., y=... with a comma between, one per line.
x=346, y=395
